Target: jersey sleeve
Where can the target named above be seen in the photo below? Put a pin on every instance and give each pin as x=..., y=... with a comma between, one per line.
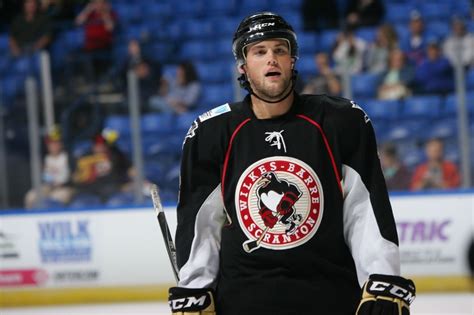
x=369, y=226
x=200, y=210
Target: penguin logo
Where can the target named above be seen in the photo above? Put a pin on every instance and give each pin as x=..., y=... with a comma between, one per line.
x=276, y=199
x=279, y=202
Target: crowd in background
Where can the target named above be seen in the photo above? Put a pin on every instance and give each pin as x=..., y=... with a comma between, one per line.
x=417, y=64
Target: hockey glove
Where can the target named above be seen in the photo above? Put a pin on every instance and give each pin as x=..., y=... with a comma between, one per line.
x=191, y=301
x=268, y=218
x=387, y=295
x=286, y=203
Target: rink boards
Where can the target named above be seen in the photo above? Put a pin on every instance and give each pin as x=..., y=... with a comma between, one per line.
x=99, y=255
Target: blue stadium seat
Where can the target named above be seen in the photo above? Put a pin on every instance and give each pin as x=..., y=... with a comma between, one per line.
x=217, y=94
x=438, y=29
x=247, y=7
x=128, y=12
x=119, y=123
x=223, y=49
x=185, y=120
x=197, y=50
x=387, y=110
x=365, y=84
x=140, y=32
x=155, y=172
x=120, y=199
x=286, y=5
x=327, y=40
x=10, y=87
x=396, y=12
x=157, y=10
x=306, y=66
x=169, y=71
x=450, y=107
x=152, y=123
x=188, y=8
x=194, y=28
x=81, y=148
x=162, y=51
x=435, y=10
x=4, y=46
x=85, y=201
x=225, y=27
x=72, y=39
x=218, y=7
x=412, y=157
x=470, y=79
x=428, y=106
x=445, y=128
x=307, y=43
x=401, y=131
x=214, y=72
x=367, y=33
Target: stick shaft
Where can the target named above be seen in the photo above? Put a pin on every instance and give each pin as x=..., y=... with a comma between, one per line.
x=165, y=231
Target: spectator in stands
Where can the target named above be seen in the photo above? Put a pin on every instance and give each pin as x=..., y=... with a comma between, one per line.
x=55, y=176
x=104, y=171
x=31, y=31
x=414, y=45
x=436, y=172
x=59, y=10
x=364, y=12
x=148, y=72
x=348, y=52
x=99, y=21
x=397, y=80
x=460, y=44
x=379, y=50
x=180, y=95
x=326, y=81
x=397, y=176
x=320, y=15
x=434, y=75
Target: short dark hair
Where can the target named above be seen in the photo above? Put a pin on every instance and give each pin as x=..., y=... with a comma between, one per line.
x=190, y=73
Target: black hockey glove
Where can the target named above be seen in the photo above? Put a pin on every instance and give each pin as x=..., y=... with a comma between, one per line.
x=388, y=295
x=191, y=301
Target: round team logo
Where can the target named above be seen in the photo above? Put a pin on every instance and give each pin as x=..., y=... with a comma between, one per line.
x=279, y=203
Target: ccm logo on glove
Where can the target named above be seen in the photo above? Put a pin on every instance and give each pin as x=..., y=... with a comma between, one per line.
x=376, y=287
x=188, y=302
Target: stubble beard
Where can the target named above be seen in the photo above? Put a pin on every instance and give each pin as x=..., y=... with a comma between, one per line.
x=270, y=92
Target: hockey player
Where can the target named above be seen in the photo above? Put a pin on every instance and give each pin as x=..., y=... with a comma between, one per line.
x=283, y=207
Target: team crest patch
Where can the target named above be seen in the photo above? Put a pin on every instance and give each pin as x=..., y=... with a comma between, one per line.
x=279, y=203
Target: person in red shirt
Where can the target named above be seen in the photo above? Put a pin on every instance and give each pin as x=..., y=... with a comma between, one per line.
x=99, y=21
x=436, y=172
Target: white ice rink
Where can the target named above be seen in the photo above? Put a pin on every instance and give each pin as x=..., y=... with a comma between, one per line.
x=425, y=304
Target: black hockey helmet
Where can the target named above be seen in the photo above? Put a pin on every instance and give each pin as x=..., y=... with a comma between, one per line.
x=261, y=26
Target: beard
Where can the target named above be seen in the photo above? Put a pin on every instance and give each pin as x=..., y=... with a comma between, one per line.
x=269, y=91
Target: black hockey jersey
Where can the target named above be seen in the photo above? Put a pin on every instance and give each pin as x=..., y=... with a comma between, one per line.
x=287, y=215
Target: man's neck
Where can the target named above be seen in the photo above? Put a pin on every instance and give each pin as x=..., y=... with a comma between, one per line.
x=264, y=110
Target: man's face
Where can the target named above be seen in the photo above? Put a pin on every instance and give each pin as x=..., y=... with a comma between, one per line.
x=434, y=151
x=269, y=68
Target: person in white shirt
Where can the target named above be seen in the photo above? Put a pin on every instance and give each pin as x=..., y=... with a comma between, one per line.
x=55, y=177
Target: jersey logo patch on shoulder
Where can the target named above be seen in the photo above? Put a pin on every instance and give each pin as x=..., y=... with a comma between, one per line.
x=215, y=112
x=366, y=117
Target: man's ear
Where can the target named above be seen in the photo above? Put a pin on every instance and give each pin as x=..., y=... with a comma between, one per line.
x=241, y=69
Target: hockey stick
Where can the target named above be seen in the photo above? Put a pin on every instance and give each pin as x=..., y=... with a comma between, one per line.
x=160, y=215
x=251, y=245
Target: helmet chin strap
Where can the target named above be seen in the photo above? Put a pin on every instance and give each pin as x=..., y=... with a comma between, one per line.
x=244, y=82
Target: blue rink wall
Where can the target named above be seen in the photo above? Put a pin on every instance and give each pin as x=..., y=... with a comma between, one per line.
x=118, y=254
